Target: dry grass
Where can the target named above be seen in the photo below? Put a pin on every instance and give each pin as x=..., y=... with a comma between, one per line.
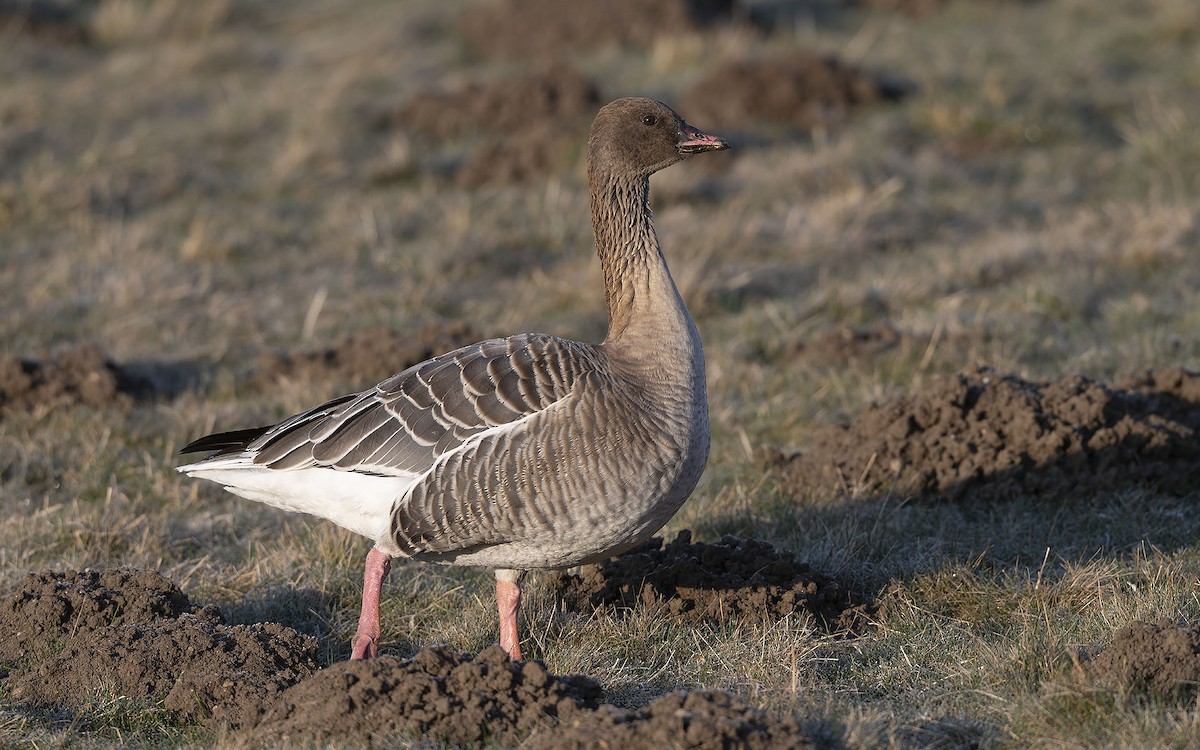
x=186, y=189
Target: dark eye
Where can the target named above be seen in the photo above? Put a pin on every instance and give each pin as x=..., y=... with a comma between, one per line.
x=649, y=120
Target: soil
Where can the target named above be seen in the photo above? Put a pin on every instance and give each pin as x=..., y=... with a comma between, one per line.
x=916, y=8
x=531, y=124
x=842, y=346
x=463, y=700
x=1161, y=659
x=989, y=435
x=437, y=693
x=506, y=105
x=797, y=90
x=79, y=636
x=692, y=581
x=77, y=375
x=76, y=635
x=544, y=149
x=45, y=21
x=518, y=29
x=700, y=719
x=363, y=358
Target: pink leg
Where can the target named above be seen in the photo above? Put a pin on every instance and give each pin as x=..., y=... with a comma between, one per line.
x=366, y=641
x=508, y=601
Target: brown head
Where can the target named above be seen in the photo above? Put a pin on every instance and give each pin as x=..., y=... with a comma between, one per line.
x=637, y=137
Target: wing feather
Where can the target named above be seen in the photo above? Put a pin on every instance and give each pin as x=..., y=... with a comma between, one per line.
x=408, y=421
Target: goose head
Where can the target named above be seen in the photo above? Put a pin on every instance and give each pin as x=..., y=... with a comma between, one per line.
x=637, y=136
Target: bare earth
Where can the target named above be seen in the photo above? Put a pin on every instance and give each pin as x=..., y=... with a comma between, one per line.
x=692, y=581
x=798, y=89
x=1160, y=659
x=78, y=634
x=519, y=28
x=982, y=435
x=76, y=375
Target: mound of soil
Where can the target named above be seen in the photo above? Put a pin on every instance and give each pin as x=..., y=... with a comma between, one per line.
x=437, y=693
x=459, y=700
x=797, y=89
x=551, y=29
x=519, y=157
x=78, y=375
x=842, y=345
x=1161, y=659
x=917, y=8
x=989, y=435
x=533, y=124
x=362, y=358
x=49, y=605
x=76, y=635
x=701, y=719
x=553, y=94
x=692, y=581
x=46, y=21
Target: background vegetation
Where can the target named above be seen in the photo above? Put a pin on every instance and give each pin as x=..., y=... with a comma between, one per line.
x=203, y=183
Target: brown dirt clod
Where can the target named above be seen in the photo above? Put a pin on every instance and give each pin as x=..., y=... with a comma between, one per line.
x=520, y=28
x=697, y=580
x=437, y=693
x=797, y=89
x=77, y=375
x=363, y=358
x=994, y=436
x=79, y=634
x=1161, y=659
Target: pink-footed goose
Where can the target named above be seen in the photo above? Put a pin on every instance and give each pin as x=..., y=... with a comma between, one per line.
x=530, y=452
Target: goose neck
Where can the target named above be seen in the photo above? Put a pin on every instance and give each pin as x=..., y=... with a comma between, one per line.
x=626, y=243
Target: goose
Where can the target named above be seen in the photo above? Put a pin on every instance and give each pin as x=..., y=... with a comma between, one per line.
x=531, y=452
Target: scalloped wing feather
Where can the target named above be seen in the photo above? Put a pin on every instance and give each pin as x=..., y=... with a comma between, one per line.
x=404, y=424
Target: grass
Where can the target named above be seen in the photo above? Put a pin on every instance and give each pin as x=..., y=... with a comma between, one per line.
x=185, y=191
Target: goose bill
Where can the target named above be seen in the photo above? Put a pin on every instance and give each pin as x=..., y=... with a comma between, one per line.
x=694, y=142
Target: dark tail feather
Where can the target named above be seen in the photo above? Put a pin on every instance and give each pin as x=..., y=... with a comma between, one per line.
x=224, y=442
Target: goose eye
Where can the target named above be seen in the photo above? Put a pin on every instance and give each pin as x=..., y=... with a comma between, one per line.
x=649, y=120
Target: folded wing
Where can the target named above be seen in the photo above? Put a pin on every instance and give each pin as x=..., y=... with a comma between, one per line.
x=404, y=424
